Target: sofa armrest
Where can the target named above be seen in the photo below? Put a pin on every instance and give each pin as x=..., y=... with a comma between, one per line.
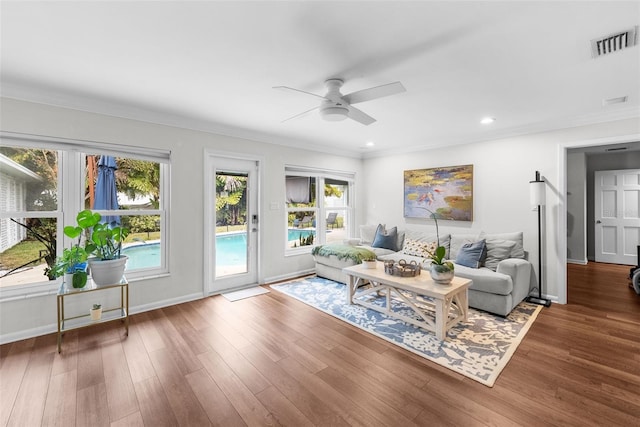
x=520, y=272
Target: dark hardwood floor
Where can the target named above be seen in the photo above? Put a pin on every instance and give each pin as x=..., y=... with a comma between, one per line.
x=271, y=360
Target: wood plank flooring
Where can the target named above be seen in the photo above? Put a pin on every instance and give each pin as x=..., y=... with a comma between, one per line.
x=271, y=360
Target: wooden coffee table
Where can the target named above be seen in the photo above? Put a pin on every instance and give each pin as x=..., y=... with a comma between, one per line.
x=450, y=303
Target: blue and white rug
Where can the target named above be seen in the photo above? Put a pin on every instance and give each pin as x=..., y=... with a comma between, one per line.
x=478, y=348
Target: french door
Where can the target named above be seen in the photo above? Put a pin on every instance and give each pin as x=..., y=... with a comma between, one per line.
x=233, y=223
x=617, y=205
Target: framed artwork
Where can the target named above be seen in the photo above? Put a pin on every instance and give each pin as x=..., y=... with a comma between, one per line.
x=447, y=192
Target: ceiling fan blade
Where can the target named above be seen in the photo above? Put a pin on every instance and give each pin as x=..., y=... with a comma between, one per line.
x=300, y=115
x=286, y=88
x=360, y=116
x=374, y=93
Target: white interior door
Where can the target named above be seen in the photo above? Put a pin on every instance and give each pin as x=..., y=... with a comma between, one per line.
x=617, y=216
x=231, y=255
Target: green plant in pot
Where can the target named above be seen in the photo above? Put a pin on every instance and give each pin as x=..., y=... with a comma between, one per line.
x=105, y=243
x=442, y=271
x=73, y=261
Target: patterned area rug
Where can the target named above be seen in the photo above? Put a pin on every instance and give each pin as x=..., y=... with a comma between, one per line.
x=479, y=348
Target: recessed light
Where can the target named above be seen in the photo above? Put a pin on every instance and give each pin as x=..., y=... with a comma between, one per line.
x=370, y=144
x=487, y=120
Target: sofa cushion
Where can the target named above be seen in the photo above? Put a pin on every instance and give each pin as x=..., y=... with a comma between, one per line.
x=472, y=254
x=498, y=250
x=457, y=240
x=518, y=249
x=397, y=256
x=387, y=239
x=486, y=280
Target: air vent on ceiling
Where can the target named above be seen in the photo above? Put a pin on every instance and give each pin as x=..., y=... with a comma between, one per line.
x=613, y=42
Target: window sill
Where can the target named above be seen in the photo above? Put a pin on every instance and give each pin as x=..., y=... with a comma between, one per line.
x=41, y=289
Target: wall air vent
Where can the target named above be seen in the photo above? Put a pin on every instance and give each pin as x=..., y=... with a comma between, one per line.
x=616, y=149
x=613, y=42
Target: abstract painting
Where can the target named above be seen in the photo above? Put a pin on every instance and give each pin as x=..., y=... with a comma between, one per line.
x=443, y=192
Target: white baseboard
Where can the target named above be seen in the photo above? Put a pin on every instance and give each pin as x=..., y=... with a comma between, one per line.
x=577, y=261
x=288, y=276
x=52, y=328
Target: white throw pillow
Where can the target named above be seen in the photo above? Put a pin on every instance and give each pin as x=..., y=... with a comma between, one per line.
x=368, y=233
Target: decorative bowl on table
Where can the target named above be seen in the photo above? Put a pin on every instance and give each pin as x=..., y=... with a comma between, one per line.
x=402, y=268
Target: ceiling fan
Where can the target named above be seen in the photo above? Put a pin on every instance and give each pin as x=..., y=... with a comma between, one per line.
x=335, y=106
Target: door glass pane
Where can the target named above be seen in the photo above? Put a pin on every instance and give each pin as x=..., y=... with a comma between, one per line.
x=231, y=224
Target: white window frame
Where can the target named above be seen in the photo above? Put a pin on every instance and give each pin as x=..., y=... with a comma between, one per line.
x=71, y=175
x=320, y=210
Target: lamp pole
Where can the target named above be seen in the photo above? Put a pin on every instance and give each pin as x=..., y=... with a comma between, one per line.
x=537, y=189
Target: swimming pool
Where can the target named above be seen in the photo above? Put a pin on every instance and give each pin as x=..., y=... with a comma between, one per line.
x=231, y=249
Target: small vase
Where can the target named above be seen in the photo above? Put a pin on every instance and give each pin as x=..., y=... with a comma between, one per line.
x=440, y=274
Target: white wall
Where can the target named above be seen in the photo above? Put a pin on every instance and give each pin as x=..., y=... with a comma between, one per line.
x=32, y=316
x=576, y=207
x=502, y=171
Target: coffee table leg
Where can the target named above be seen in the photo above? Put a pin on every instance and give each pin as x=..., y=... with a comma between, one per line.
x=441, y=319
x=350, y=286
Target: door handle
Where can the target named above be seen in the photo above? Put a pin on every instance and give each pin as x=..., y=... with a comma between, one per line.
x=598, y=222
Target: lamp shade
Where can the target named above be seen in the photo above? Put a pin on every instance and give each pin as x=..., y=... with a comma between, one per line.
x=537, y=193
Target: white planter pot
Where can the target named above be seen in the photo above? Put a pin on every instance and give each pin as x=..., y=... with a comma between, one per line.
x=96, y=313
x=369, y=264
x=107, y=272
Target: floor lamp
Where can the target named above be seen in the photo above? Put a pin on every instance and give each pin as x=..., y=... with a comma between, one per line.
x=538, y=199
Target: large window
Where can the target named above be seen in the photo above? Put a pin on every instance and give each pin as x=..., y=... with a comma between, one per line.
x=45, y=183
x=318, y=208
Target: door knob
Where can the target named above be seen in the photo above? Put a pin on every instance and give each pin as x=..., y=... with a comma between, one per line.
x=598, y=222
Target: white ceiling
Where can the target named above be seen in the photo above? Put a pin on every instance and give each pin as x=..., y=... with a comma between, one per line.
x=212, y=65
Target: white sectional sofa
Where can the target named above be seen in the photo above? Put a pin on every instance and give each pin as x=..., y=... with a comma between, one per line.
x=502, y=281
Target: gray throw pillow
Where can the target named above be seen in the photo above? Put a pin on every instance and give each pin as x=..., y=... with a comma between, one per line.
x=498, y=250
x=387, y=239
x=472, y=254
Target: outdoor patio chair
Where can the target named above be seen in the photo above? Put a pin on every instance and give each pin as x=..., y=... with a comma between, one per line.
x=306, y=220
x=332, y=219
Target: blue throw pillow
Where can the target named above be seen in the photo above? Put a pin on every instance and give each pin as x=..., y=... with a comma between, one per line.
x=387, y=239
x=472, y=254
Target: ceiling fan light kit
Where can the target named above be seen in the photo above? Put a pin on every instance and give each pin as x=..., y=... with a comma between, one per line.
x=334, y=114
x=337, y=107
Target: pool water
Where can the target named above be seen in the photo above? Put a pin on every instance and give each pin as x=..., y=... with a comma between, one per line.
x=231, y=249
x=142, y=256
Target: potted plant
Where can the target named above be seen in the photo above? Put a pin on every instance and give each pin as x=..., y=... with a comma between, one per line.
x=73, y=262
x=442, y=271
x=369, y=261
x=96, y=312
x=105, y=243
